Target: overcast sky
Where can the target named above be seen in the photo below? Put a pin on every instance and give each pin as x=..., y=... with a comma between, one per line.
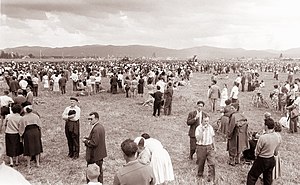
x=248, y=24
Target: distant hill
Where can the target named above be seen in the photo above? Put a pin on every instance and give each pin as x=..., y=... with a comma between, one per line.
x=203, y=52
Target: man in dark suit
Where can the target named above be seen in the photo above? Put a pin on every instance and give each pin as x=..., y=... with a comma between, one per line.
x=194, y=119
x=157, y=101
x=95, y=143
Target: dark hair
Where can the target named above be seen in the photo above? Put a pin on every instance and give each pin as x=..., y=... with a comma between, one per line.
x=145, y=135
x=6, y=92
x=158, y=87
x=141, y=142
x=200, y=102
x=269, y=122
x=228, y=102
x=28, y=110
x=95, y=114
x=16, y=109
x=275, y=86
x=278, y=127
x=214, y=81
x=129, y=147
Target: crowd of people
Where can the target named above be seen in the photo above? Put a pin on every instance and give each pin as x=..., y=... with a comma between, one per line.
x=147, y=161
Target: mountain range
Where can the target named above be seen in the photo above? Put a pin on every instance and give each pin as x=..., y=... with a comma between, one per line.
x=203, y=52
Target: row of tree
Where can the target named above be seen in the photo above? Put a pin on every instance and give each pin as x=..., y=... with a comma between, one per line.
x=13, y=55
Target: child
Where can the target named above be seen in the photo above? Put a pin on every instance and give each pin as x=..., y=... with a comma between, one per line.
x=92, y=173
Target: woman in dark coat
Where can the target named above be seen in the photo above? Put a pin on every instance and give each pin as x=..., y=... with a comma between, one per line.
x=141, y=83
x=31, y=133
x=168, y=94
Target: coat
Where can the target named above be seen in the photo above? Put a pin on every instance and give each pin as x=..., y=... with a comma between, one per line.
x=95, y=144
x=237, y=134
x=194, y=123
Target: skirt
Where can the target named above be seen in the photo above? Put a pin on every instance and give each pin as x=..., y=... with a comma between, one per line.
x=32, y=140
x=13, y=145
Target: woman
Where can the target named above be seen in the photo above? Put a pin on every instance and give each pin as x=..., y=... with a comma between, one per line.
x=55, y=83
x=141, y=86
x=274, y=97
x=224, y=120
x=46, y=81
x=224, y=95
x=31, y=133
x=14, y=147
x=133, y=88
x=152, y=152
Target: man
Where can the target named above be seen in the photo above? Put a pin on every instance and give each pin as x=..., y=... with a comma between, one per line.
x=168, y=95
x=157, y=101
x=205, y=149
x=214, y=94
x=95, y=144
x=9, y=175
x=5, y=102
x=71, y=115
x=234, y=94
x=75, y=78
x=194, y=119
x=267, y=146
x=23, y=84
x=237, y=136
x=35, y=85
x=14, y=86
x=133, y=172
x=19, y=99
x=62, y=84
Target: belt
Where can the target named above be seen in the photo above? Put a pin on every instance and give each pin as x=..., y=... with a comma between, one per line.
x=203, y=145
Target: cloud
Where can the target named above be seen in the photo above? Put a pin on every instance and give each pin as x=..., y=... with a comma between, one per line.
x=251, y=24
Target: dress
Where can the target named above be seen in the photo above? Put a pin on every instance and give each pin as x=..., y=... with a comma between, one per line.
x=160, y=161
x=141, y=86
x=46, y=82
x=224, y=97
x=31, y=134
x=56, y=84
x=12, y=138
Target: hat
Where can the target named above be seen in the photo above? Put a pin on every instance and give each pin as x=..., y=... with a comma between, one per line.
x=92, y=171
x=73, y=98
x=71, y=112
x=267, y=114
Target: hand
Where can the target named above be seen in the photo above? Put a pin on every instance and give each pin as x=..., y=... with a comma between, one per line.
x=84, y=140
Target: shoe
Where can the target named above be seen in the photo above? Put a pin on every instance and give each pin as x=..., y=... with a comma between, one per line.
x=70, y=155
x=11, y=165
x=76, y=156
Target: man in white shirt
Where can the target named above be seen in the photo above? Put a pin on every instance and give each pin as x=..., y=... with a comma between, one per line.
x=75, y=79
x=205, y=149
x=72, y=115
x=23, y=84
x=5, y=101
x=234, y=94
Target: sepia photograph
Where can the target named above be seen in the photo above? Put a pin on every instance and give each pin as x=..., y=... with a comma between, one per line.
x=149, y=92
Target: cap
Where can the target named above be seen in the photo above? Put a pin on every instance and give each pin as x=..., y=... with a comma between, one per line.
x=73, y=98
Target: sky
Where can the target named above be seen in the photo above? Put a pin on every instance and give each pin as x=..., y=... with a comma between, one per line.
x=176, y=24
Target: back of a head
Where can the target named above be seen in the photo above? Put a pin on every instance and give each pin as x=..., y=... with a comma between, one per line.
x=92, y=171
x=270, y=123
x=129, y=147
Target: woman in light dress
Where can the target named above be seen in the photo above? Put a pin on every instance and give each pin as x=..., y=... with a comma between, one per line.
x=224, y=96
x=46, y=81
x=152, y=152
x=55, y=83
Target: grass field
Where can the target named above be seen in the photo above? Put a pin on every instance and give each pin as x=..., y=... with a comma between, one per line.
x=125, y=118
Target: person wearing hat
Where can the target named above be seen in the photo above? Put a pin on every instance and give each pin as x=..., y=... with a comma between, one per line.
x=9, y=175
x=71, y=115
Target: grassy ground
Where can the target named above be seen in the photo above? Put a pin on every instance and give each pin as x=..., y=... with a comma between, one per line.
x=125, y=118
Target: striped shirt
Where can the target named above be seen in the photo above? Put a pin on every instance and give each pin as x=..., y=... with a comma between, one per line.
x=204, y=134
